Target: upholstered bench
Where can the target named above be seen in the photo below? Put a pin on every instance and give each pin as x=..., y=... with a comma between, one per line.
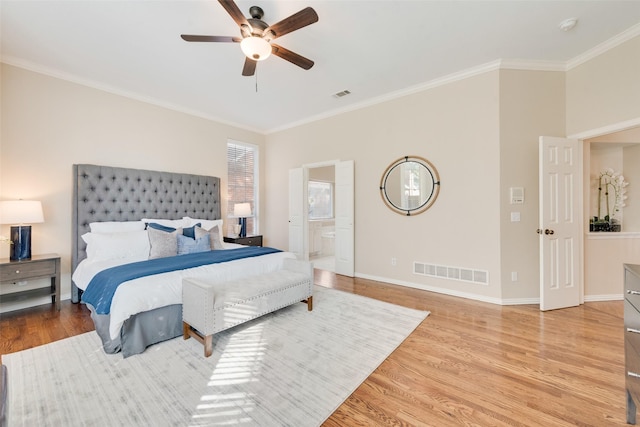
x=211, y=306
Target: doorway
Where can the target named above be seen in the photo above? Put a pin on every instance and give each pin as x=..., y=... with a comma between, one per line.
x=594, y=273
x=343, y=208
x=321, y=223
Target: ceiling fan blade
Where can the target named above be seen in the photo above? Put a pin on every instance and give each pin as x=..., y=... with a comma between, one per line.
x=249, y=67
x=292, y=57
x=296, y=21
x=223, y=39
x=232, y=9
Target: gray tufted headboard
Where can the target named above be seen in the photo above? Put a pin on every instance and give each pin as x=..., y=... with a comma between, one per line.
x=104, y=193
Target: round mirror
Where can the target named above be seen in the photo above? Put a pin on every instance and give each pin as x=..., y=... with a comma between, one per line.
x=410, y=185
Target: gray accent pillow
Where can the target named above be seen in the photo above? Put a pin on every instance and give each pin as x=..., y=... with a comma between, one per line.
x=214, y=236
x=163, y=244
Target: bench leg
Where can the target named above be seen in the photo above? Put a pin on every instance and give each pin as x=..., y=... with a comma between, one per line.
x=208, y=345
x=309, y=302
x=206, y=341
x=185, y=330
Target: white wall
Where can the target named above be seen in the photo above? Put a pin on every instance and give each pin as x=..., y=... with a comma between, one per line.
x=50, y=124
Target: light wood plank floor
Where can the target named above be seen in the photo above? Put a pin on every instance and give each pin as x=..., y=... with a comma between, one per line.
x=469, y=363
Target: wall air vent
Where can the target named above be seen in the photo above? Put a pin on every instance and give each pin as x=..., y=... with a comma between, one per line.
x=461, y=274
x=341, y=94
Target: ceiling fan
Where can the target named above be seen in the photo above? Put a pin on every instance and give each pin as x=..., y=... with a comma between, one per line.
x=257, y=35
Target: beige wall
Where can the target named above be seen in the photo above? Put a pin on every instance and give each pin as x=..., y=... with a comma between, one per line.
x=605, y=253
x=531, y=105
x=49, y=124
x=605, y=90
x=456, y=128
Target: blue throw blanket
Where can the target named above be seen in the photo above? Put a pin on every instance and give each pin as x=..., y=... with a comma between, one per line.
x=102, y=287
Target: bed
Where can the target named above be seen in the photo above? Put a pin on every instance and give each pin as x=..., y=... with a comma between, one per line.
x=114, y=211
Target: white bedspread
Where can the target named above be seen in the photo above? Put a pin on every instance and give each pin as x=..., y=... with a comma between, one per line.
x=148, y=293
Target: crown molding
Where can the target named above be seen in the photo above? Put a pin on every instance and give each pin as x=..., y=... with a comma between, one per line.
x=613, y=42
x=531, y=65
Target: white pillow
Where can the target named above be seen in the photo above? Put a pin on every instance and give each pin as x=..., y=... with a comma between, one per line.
x=174, y=223
x=133, y=245
x=208, y=224
x=116, y=226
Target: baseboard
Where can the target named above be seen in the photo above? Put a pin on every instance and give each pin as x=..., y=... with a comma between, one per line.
x=610, y=297
x=435, y=289
x=482, y=298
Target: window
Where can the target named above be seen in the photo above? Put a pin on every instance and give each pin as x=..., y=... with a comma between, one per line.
x=242, y=182
x=320, y=200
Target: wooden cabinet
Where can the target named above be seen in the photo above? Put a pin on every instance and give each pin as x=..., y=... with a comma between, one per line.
x=13, y=273
x=248, y=241
x=632, y=338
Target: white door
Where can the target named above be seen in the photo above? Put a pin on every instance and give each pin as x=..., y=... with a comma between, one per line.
x=297, y=217
x=560, y=223
x=344, y=199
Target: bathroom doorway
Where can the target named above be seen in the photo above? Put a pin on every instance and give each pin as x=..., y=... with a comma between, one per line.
x=321, y=218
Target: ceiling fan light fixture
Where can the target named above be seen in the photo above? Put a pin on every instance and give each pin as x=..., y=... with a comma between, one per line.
x=255, y=48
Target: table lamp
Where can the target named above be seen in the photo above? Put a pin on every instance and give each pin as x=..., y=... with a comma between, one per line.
x=242, y=211
x=20, y=214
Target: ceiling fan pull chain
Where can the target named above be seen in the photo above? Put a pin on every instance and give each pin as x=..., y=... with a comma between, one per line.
x=256, y=81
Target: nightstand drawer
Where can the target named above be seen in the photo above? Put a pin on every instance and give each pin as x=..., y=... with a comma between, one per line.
x=247, y=241
x=15, y=272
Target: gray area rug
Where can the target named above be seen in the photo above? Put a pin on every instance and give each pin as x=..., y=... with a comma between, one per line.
x=290, y=368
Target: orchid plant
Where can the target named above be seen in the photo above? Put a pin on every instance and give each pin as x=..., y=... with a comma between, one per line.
x=611, y=188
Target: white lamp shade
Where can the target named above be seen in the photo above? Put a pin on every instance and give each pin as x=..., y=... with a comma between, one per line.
x=255, y=48
x=21, y=212
x=242, y=210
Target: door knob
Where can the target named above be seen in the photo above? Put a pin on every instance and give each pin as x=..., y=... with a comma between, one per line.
x=545, y=231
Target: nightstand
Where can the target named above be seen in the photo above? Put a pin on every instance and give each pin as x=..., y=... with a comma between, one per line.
x=38, y=267
x=248, y=241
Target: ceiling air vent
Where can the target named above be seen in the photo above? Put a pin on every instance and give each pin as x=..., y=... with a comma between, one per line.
x=341, y=94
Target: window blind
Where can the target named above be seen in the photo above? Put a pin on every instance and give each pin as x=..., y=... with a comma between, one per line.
x=241, y=182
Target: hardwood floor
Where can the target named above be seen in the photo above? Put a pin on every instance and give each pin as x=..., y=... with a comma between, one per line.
x=469, y=363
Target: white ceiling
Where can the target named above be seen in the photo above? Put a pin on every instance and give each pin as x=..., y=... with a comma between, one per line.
x=376, y=49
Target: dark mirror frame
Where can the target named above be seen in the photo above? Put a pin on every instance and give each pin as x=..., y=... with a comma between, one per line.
x=430, y=199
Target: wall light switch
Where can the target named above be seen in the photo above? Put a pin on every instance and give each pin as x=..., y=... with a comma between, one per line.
x=515, y=216
x=517, y=195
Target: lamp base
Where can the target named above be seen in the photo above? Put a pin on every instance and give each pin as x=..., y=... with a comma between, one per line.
x=20, y=242
x=243, y=227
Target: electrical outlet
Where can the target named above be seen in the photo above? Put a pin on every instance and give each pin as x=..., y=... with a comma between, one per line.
x=514, y=276
x=394, y=261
